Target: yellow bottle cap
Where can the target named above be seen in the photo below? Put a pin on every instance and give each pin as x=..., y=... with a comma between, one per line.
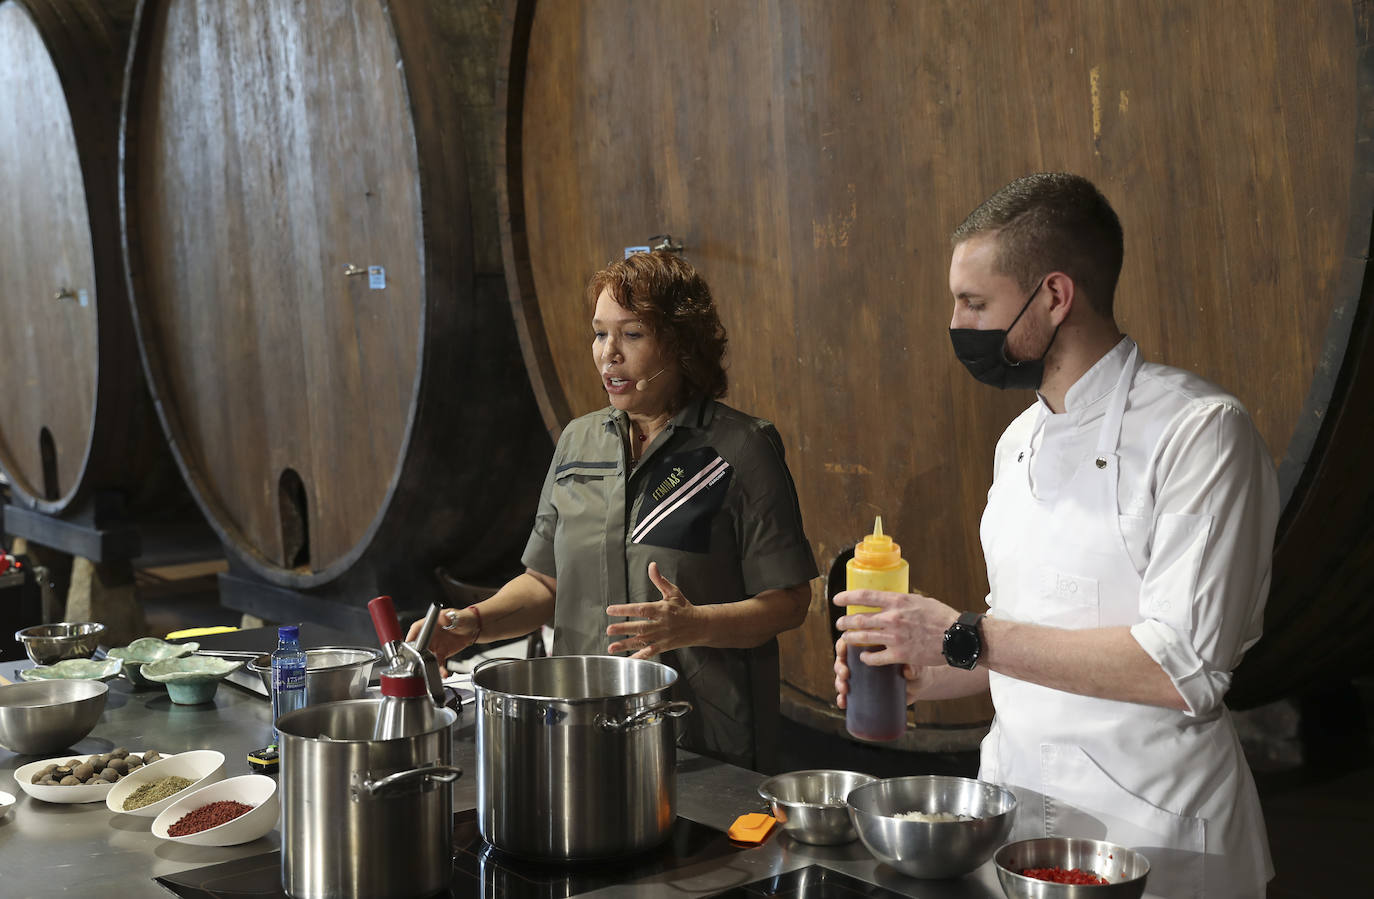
x=877, y=550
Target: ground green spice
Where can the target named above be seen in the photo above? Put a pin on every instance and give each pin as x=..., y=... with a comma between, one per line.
x=156, y=791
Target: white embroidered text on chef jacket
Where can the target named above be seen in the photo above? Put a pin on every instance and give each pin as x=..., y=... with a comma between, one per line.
x=1151, y=502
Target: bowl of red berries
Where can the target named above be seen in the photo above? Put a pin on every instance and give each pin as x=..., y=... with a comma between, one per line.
x=1070, y=868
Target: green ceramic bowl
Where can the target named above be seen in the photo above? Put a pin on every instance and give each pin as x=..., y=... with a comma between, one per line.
x=191, y=680
x=74, y=669
x=145, y=650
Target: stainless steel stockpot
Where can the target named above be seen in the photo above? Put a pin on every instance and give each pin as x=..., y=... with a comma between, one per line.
x=576, y=755
x=364, y=817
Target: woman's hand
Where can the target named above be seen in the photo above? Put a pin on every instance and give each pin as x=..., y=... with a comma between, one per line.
x=671, y=623
x=458, y=629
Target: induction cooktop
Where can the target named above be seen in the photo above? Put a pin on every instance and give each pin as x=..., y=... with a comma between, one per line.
x=811, y=882
x=479, y=869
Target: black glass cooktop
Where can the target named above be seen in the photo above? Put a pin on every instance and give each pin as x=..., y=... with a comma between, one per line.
x=480, y=870
x=812, y=882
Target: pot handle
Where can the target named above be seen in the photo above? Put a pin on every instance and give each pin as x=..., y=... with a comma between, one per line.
x=648, y=715
x=364, y=788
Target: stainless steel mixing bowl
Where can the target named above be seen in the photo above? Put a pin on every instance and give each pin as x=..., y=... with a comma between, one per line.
x=332, y=673
x=810, y=805
x=1125, y=869
x=932, y=848
x=48, y=716
x=49, y=643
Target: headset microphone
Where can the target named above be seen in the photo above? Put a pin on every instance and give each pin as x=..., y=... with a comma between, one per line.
x=642, y=384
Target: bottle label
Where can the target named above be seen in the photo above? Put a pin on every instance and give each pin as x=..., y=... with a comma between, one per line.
x=291, y=678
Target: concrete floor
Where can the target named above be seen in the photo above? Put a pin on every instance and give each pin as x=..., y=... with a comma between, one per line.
x=1313, y=761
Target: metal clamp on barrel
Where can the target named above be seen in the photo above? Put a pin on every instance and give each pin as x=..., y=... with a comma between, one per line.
x=362, y=787
x=645, y=716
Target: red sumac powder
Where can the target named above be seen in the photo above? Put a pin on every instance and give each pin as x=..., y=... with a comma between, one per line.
x=206, y=817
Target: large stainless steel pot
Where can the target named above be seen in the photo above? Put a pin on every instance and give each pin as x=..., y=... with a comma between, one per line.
x=364, y=817
x=575, y=755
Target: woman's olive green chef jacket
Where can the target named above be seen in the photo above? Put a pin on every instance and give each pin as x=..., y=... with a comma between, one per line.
x=712, y=502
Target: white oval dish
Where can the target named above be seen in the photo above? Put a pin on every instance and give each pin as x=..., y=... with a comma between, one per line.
x=68, y=795
x=250, y=789
x=6, y=803
x=200, y=766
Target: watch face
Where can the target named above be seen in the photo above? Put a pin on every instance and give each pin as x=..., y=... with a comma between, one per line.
x=961, y=645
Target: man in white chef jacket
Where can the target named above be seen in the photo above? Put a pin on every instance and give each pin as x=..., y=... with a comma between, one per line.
x=1127, y=534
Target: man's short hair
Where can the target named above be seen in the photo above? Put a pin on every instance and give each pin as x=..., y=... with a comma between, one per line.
x=1052, y=221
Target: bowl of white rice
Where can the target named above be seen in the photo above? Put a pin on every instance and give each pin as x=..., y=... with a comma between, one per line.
x=933, y=817
x=932, y=826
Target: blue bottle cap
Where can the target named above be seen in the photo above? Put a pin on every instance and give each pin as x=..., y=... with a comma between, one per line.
x=289, y=632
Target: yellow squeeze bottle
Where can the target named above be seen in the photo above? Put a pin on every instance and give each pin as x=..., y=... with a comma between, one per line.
x=876, y=709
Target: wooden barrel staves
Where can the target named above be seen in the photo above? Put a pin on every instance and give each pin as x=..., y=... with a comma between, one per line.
x=813, y=159
x=347, y=408
x=75, y=420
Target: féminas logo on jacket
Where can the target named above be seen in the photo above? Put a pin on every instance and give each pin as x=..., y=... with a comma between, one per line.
x=674, y=479
x=683, y=493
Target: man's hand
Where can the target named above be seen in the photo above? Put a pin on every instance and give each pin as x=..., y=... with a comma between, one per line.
x=916, y=678
x=908, y=629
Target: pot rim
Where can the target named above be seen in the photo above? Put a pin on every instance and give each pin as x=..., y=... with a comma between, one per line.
x=440, y=724
x=671, y=679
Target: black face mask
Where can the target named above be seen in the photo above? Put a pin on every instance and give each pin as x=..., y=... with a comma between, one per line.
x=984, y=354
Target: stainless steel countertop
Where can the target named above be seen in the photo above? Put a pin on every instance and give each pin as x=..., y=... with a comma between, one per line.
x=87, y=850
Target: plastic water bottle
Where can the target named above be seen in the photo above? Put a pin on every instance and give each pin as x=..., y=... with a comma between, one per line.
x=288, y=674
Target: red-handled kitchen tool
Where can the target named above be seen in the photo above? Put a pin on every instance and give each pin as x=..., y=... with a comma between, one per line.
x=388, y=627
x=407, y=708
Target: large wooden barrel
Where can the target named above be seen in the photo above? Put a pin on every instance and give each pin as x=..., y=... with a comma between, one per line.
x=813, y=158
x=75, y=419
x=340, y=390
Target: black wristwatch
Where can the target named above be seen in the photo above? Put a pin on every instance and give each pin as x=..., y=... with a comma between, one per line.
x=963, y=644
